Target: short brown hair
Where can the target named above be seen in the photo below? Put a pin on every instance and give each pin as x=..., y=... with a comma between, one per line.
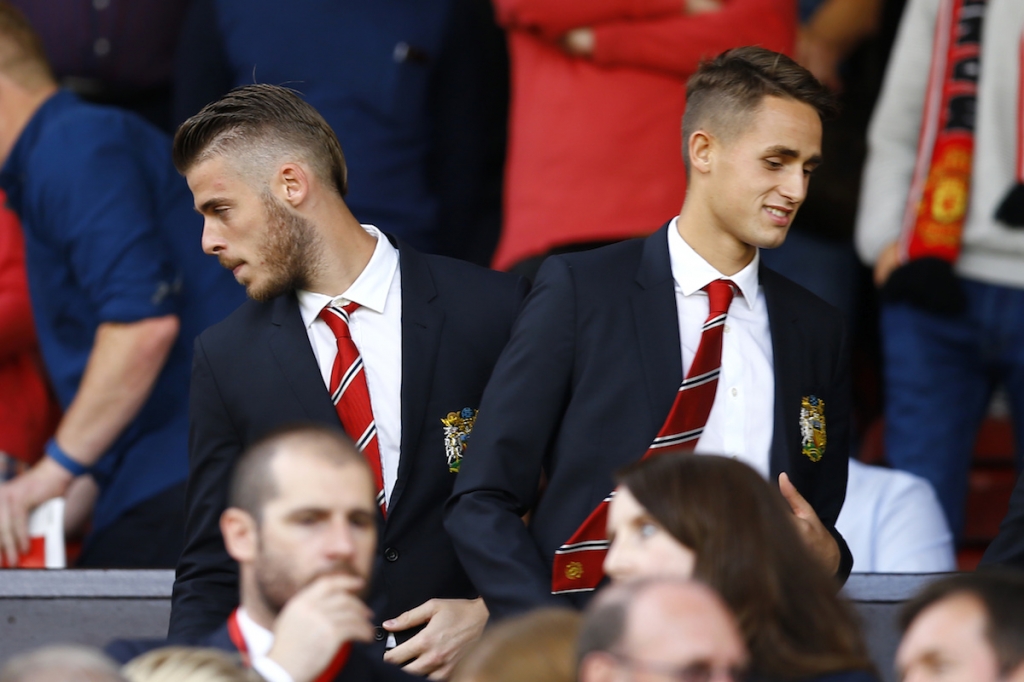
x=748, y=550
x=22, y=56
x=262, y=122
x=253, y=484
x=730, y=87
x=538, y=646
x=1000, y=591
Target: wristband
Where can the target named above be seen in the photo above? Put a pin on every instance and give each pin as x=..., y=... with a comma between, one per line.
x=54, y=452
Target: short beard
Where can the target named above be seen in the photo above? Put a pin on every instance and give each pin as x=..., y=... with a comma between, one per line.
x=291, y=250
x=276, y=585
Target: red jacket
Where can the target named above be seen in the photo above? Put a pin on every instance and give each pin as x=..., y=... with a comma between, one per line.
x=595, y=144
x=28, y=412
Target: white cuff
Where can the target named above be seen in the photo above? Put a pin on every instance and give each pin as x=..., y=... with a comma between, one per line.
x=270, y=670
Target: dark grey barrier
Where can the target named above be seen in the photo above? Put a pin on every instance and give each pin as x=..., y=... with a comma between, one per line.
x=878, y=597
x=94, y=607
x=85, y=607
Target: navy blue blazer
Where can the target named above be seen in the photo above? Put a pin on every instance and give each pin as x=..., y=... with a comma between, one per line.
x=362, y=665
x=256, y=371
x=582, y=389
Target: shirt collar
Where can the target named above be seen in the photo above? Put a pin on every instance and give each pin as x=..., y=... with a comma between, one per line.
x=370, y=290
x=258, y=639
x=692, y=273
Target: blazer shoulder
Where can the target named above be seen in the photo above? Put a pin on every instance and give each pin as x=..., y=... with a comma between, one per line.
x=794, y=298
x=248, y=316
x=470, y=283
x=607, y=267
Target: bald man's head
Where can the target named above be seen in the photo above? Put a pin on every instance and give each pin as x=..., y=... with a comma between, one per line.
x=659, y=625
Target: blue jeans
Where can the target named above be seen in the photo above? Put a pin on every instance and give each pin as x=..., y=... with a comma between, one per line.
x=939, y=376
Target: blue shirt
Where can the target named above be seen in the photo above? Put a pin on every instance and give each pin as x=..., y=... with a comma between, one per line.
x=110, y=236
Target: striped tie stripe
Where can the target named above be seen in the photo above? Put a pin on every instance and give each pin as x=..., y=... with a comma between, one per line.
x=351, y=396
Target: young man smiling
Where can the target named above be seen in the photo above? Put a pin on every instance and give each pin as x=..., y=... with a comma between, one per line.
x=591, y=379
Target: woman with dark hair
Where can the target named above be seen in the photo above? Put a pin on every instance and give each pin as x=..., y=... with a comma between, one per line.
x=716, y=519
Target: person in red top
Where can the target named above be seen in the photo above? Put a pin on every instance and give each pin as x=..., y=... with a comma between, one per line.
x=28, y=411
x=598, y=87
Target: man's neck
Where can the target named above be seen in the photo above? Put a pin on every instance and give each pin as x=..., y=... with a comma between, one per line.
x=698, y=228
x=17, y=108
x=347, y=249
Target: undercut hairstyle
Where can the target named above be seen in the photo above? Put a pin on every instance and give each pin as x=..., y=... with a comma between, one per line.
x=22, y=56
x=749, y=551
x=253, y=484
x=1000, y=591
x=725, y=92
x=256, y=128
x=64, y=663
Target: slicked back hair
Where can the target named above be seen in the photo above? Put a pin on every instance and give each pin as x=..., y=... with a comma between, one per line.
x=257, y=127
x=22, y=56
x=253, y=484
x=724, y=92
x=1000, y=592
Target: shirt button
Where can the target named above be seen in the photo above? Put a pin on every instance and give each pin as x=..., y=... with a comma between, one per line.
x=101, y=47
x=100, y=5
x=380, y=634
x=391, y=554
x=726, y=329
x=734, y=392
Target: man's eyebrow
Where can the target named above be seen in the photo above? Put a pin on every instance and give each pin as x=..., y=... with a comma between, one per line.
x=209, y=203
x=780, y=150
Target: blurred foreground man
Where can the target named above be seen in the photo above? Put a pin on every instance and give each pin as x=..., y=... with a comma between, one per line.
x=663, y=628
x=966, y=628
x=302, y=525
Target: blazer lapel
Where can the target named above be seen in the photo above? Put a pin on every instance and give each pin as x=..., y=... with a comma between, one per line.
x=422, y=321
x=290, y=347
x=787, y=350
x=657, y=326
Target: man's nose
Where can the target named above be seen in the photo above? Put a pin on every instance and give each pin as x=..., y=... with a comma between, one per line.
x=340, y=541
x=794, y=185
x=212, y=241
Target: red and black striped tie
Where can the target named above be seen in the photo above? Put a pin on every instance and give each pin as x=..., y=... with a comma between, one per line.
x=578, y=564
x=351, y=396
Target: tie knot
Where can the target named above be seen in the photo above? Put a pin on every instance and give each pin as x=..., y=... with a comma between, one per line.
x=720, y=295
x=337, y=318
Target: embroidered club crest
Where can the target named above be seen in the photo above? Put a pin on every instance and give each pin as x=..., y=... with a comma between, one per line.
x=812, y=427
x=457, y=427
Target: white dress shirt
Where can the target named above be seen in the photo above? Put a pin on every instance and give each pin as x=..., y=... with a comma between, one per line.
x=742, y=417
x=893, y=523
x=258, y=642
x=376, y=328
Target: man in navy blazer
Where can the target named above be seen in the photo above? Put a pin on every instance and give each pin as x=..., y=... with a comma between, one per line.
x=597, y=356
x=268, y=175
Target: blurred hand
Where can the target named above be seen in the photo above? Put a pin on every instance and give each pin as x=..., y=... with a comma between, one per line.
x=316, y=622
x=579, y=42
x=819, y=57
x=693, y=7
x=811, y=529
x=19, y=496
x=887, y=261
x=451, y=625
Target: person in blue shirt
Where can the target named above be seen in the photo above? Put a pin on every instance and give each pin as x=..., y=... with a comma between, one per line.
x=119, y=289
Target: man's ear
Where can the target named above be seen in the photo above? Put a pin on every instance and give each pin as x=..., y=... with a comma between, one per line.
x=240, y=532
x=291, y=183
x=699, y=149
x=597, y=666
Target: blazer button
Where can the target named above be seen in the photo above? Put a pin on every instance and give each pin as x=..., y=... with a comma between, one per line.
x=391, y=554
x=380, y=634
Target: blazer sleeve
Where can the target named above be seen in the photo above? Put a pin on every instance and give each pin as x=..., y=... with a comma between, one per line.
x=832, y=492
x=206, y=582
x=498, y=483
